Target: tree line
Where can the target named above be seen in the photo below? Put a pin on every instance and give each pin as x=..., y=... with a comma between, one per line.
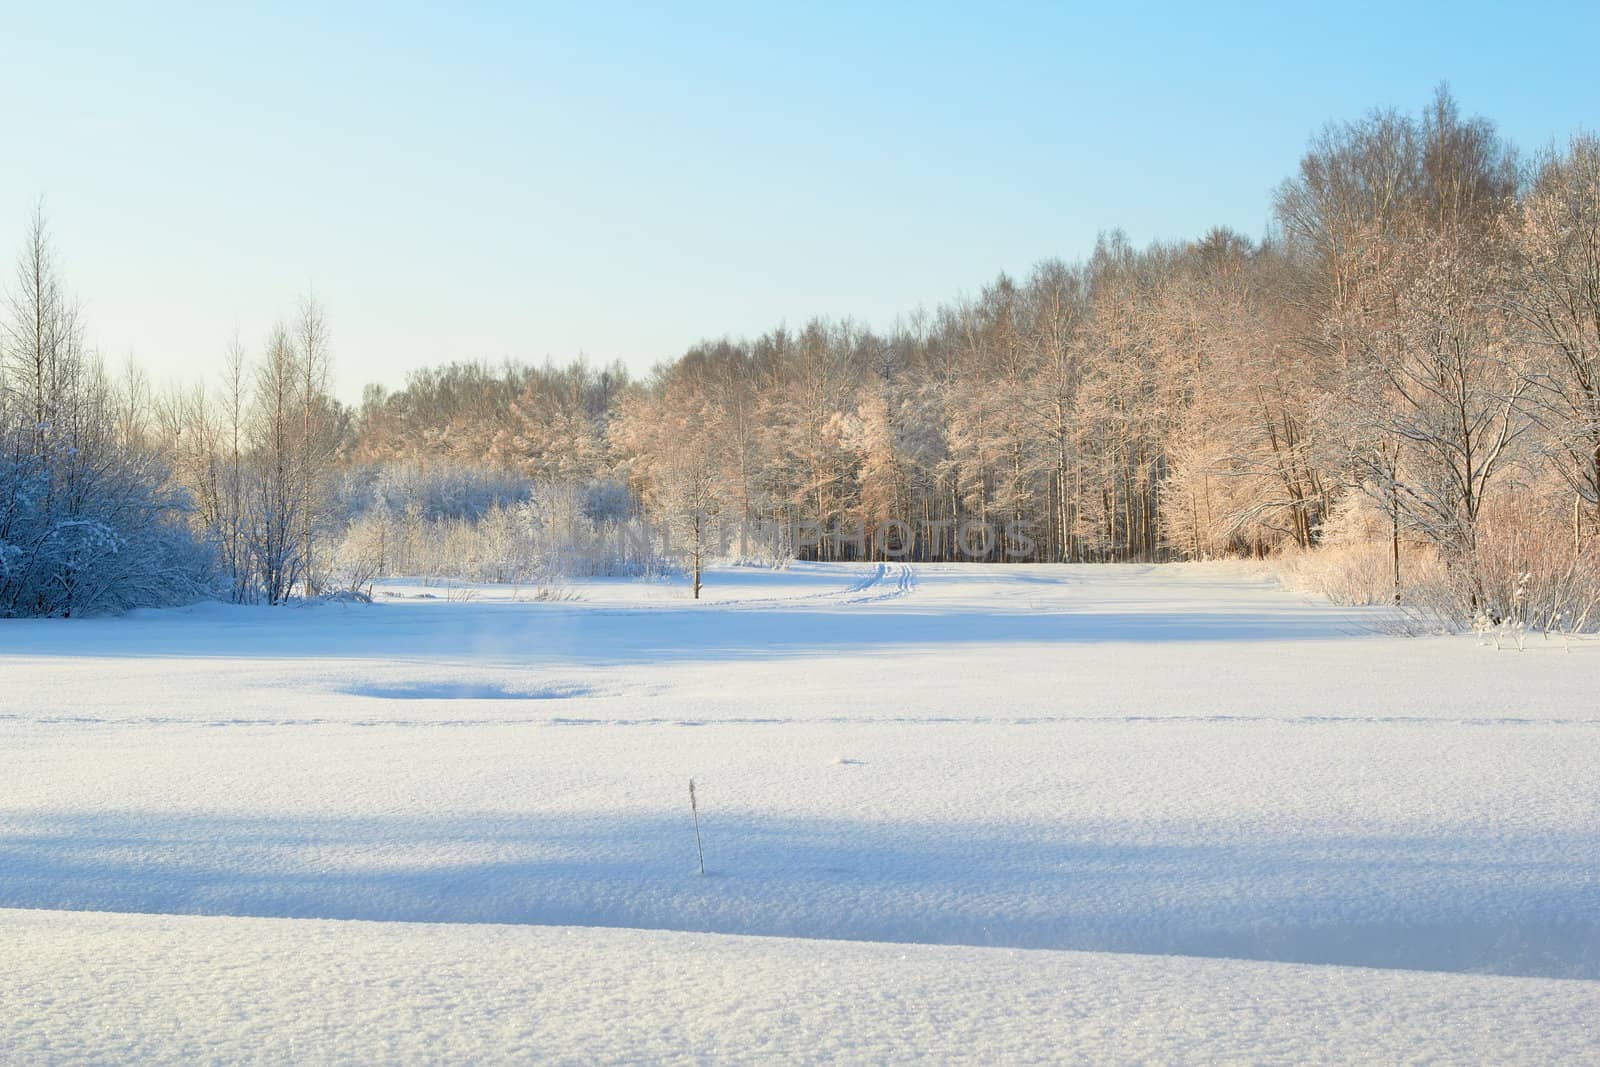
x=1397, y=387
x=1407, y=365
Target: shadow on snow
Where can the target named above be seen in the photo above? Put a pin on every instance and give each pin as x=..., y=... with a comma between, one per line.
x=520, y=633
x=1452, y=903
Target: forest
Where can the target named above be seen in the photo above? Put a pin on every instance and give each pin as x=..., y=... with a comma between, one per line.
x=1394, y=395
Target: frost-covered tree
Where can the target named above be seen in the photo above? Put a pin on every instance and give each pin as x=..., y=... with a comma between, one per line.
x=89, y=519
x=1555, y=295
x=1441, y=373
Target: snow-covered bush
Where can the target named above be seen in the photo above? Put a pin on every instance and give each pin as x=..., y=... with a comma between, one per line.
x=1524, y=572
x=438, y=489
x=84, y=533
x=1354, y=573
x=1353, y=562
x=527, y=533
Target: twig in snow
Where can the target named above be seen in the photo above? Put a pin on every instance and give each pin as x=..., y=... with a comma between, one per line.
x=694, y=807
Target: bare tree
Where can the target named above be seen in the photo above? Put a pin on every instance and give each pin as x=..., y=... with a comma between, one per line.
x=315, y=446
x=278, y=478
x=1441, y=374
x=233, y=532
x=1556, y=297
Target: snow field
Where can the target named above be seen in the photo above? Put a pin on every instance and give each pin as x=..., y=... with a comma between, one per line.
x=182, y=989
x=1026, y=767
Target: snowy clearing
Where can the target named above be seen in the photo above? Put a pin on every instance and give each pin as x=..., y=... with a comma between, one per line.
x=1030, y=766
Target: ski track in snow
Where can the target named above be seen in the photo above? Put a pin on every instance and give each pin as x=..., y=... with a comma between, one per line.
x=1167, y=762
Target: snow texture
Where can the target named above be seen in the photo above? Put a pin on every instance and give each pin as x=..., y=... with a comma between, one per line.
x=182, y=989
x=1008, y=773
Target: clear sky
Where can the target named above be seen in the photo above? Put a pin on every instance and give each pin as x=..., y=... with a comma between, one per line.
x=532, y=180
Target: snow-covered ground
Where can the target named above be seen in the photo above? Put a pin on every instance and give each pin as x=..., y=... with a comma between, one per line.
x=999, y=775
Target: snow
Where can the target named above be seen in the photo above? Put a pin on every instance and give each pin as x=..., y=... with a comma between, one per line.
x=1114, y=812
x=182, y=989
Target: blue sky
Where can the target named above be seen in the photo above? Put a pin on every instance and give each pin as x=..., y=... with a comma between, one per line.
x=542, y=180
